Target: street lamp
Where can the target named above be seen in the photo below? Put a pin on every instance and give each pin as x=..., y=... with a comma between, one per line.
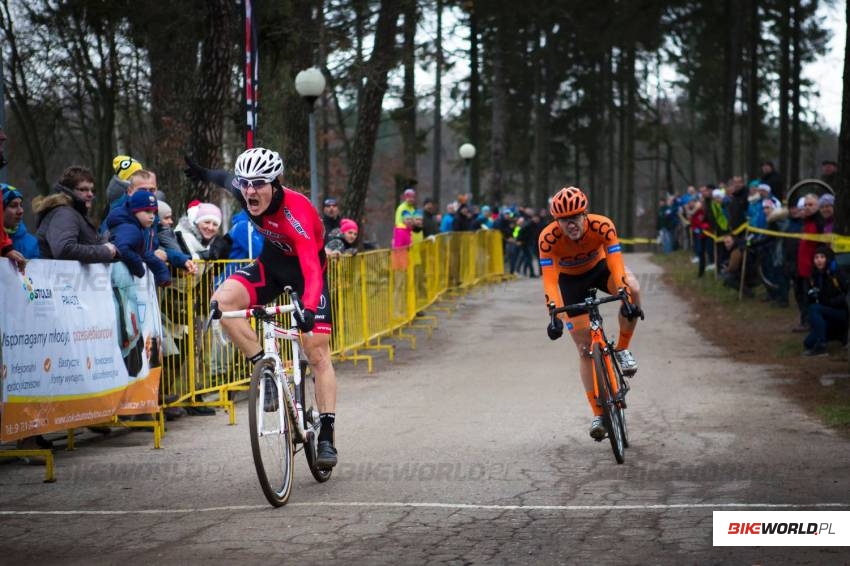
x=467, y=153
x=310, y=83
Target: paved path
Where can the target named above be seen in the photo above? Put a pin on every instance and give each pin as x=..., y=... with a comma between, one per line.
x=471, y=449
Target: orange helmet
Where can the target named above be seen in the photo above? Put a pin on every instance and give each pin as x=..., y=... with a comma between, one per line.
x=569, y=201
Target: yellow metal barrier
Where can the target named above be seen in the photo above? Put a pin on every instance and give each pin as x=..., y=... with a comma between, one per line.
x=374, y=295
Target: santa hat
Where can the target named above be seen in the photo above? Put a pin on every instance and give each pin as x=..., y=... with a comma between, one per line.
x=192, y=210
x=207, y=211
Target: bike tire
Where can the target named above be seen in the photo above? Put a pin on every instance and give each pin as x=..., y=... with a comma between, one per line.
x=311, y=423
x=621, y=386
x=611, y=413
x=273, y=453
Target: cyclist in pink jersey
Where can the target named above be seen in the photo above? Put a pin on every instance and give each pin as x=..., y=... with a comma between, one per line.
x=293, y=255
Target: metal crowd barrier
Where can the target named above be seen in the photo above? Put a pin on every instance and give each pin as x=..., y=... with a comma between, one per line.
x=375, y=295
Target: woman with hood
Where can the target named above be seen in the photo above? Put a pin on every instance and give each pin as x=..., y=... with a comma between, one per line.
x=63, y=228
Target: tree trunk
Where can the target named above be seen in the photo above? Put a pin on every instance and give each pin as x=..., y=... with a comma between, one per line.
x=436, y=185
x=753, y=108
x=369, y=113
x=211, y=96
x=474, y=134
x=610, y=132
x=794, y=170
x=407, y=114
x=842, y=191
x=732, y=65
x=784, y=86
x=626, y=219
x=499, y=116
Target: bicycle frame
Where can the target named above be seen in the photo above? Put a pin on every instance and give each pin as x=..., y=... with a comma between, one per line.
x=597, y=336
x=271, y=351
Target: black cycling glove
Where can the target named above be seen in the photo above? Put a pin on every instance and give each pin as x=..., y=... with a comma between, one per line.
x=555, y=329
x=306, y=321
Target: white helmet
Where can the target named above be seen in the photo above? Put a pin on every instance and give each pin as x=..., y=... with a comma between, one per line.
x=259, y=163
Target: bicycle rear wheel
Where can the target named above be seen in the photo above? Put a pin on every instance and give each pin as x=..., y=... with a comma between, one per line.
x=611, y=413
x=622, y=388
x=271, y=435
x=312, y=424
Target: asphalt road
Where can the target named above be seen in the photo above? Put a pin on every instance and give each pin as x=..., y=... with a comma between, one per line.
x=473, y=448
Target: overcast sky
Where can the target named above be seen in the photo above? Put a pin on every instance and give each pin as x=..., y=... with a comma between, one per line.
x=828, y=71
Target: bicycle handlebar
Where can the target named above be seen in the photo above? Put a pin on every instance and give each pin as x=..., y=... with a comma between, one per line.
x=590, y=302
x=260, y=312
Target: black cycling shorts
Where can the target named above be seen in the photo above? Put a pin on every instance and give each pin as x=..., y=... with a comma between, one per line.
x=266, y=278
x=574, y=287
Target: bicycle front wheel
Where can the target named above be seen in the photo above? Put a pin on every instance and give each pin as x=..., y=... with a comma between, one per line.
x=271, y=434
x=611, y=413
x=312, y=424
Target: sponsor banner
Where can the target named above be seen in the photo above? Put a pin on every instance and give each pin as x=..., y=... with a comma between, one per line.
x=781, y=528
x=61, y=360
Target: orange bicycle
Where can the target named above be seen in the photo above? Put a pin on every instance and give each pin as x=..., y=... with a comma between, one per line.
x=609, y=384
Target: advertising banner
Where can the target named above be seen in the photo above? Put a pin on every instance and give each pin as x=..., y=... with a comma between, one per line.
x=64, y=358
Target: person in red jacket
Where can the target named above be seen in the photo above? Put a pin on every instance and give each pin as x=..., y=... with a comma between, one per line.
x=6, y=249
x=293, y=255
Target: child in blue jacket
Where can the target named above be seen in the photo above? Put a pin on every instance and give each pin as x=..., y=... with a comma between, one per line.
x=130, y=227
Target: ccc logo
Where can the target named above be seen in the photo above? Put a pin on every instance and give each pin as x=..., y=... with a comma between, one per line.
x=550, y=239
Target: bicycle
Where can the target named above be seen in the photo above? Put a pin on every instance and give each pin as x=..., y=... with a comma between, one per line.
x=609, y=384
x=279, y=419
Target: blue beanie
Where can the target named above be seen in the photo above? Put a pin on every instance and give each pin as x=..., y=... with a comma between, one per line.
x=10, y=193
x=142, y=200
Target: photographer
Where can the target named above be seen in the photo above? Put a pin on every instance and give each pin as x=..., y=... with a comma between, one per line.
x=826, y=290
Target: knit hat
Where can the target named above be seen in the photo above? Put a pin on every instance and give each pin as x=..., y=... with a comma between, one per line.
x=801, y=202
x=764, y=187
x=10, y=193
x=192, y=210
x=825, y=199
x=142, y=200
x=408, y=193
x=124, y=166
x=718, y=193
x=164, y=208
x=207, y=211
x=347, y=224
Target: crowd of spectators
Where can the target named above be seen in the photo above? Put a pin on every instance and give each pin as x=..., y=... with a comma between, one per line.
x=715, y=223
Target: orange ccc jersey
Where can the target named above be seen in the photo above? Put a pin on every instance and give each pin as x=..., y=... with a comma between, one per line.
x=559, y=254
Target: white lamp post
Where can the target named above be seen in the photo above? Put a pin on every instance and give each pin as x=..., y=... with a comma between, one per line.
x=467, y=153
x=310, y=83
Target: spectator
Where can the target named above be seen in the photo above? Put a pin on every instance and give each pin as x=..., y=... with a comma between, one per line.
x=772, y=177
x=829, y=173
x=430, y=218
x=463, y=219
x=737, y=204
x=826, y=206
x=826, y=290
x=116, y=191
x=345, y=240
x=166, y=215
x=199, y=237
x=408, y=204
x=131, y=230
x=699, y=225
x=13, y=213
x=242, y=232
x=448, y=221
x=731, y=268
x=719, y=218
x=666, y=223
x=330, y=216
x=484, y=221
x=790, y=249
x=63, y=228
x=769, y=250
x=812, y=224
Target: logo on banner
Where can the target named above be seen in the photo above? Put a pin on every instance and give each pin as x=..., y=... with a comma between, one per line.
x=33, y=293
x=781, y=528
x=47, y=364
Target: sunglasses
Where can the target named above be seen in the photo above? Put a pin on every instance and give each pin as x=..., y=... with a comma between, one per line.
x=246, y=184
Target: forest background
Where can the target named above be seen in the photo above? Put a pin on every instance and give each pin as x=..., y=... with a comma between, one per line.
x=627, y=99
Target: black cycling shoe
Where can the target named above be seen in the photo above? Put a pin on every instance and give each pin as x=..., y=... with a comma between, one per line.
x=270, y=401
x=325, y=454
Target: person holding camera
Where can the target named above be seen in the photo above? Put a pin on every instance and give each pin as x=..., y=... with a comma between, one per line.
x=826, y=290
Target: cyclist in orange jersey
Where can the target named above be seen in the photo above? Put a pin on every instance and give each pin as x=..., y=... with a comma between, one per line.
x=580, y=251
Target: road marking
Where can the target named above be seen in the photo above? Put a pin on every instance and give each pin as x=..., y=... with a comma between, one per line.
x=453, y=506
